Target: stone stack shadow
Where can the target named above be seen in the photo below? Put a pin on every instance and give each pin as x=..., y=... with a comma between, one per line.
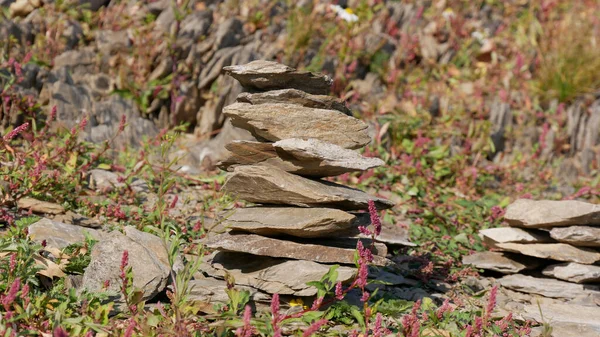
x=552, y=248
x=301, y=224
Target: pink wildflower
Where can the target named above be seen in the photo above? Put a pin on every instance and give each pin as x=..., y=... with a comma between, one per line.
x=444, y=309
x=122, y=123
x=174, y=202
x=491, y=303
x=365, y=296
x=60, y=332
x=339, y=294
x=9, y=298
x=313, y=328
x=378, y=329
x=375, y=221
x=16, y=131
x=13, y=263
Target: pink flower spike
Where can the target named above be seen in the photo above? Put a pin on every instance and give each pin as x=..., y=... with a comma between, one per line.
x=375, y=220
x=339, y=294
x=275, y=307
x=313, y=328
x=16, y=131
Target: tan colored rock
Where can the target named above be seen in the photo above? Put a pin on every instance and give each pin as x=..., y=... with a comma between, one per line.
x=582, y=236
x=493, y=236
x=23, y=7
x=560, y=312
x=277, y=121
x=546, y=287
x=270, y=185
x=548, y=213
x=309, y=157
x=39, y=206
x=554, y=251
x=574, y=272
x=269, y=75
x=263, y=246
x=500, y=262
x=60, y=235
x=294, y=221
x=271, y=275
x=293, y=96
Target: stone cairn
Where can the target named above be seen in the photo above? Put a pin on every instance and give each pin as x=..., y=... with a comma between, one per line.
x=301, y=224
x=552, y=249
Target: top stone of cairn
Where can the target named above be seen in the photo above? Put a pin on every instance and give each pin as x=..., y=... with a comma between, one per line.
x=268, y=75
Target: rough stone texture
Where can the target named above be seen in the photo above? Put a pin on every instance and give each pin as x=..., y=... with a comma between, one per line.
x=274, y=276
x=549, y=213
x=262, y=246
x=71, y=218
x=106, y=181
x=277, y=121
x=493, y=236
x=300, y=222
x=554, y=251
x=269, y=185
x=572, y=314
x=149, y=273
x=546, y=287
x=39, y=206
x=269, y=75
x=574, y=272
x=209, y=290
x=310, y=157
x=577, y=235
x=499, y=262
x=60, y=235
x=293, y=96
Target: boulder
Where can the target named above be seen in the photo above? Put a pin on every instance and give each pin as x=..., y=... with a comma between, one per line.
x=294, y=96
x=548, y=213
x=309, y=157
x=294, y=221
x=269, y=185
x=60, y=235
x=582, y=236
x=277, y=121
x=554, y=251
x=546, y=287
x=574, y=272
x=574, y=315
x=271, y=275
x=269, y=75
x=263, y=246
x=499, y=262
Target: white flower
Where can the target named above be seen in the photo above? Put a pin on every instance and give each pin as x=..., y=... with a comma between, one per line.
x=448, y=14
x=345, y=14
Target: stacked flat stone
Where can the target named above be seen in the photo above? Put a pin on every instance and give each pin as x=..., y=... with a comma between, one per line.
x=552, y=248
x=301, y=224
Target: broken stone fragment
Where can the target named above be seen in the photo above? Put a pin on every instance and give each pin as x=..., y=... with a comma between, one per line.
x=277, y=121
x=582, y=236
x=39, y=206
x=546, y=287
x=310, y=157
x=294, y=221
x=270, y=185
x=500, y=262
x=263, y=246
x=293, y=96
x=269, y=75
x=548, y=213
x=574, y=272
x=493, y=236
x=271, y=275
x=554, y=251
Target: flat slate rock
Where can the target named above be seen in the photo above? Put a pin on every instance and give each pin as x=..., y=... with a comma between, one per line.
x=270, y=185
x=39, y=206
x=572, y=314
x=574, y=272
x=263, y=246
x=277, y=121
x=211, y=290
x=499, y=262
x=583, y=236
x=271, y=275
x=294, y=221
x=311, y=157
x=546, y=287
x=493, y=236
x=549, y=213
x=294, y=96
x=60, y=235
x=553, y=251
x=269, y=75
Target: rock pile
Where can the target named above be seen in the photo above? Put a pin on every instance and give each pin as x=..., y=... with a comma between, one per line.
x=552, y=248
x=301, y=223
